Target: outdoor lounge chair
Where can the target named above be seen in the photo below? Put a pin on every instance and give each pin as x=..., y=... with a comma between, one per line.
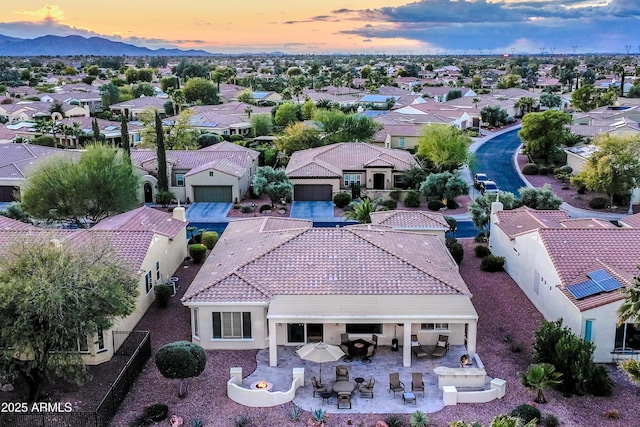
x=417, y=349
x=395, y=384
x=366, y=389
x=416, y=382
x=374, y=340
x=442, y=346
x=342, y=373
x=317, y=387
x=345, y=350
x=344, y=399
x=369, y=355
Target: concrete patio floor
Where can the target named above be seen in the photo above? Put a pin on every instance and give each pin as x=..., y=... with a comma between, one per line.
x=384, y=362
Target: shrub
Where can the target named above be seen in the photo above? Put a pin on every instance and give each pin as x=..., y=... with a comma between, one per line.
x=197, y=252
x=181, y=360
x=342, y=199
x=550, y=420
x=246, y=209
x=412, y=199
x=348, y=208
x=242, y=420
x=44, y=140
x=264, y=208
x=236, y=138
x=157, y=412
x=237, y=206
x=582, y=190
x=543, y=170
x=318, y=414
x=456, y=250
x=612, y=414
x=557, y=171
x=481, y=251
x=598, y=203
x=209, y=239
x=163, y=293
x=566, y=169
x=492, y=263
x=434, y=205
x=390, y=204
x=481, y=237
x=599, y=383
x=395, y=194
x=294, y=413
x=526, y=412
x=530, y=169
x=418, y=419
x=517, y=347
x=452, y=204
x=394, y=421
x=164, y=197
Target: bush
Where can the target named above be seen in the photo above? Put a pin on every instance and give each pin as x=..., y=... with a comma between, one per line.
x=236, y=138
x=164, y=198
x=530, y=169
x=163, y=293
x=394, y=421
x=348, y=208
x=209, y=239
x=264, y=208
x=612, y=414
x=492, y=263
x=390, y=204
x=237, y=206
x=599, y=383
x=582, y=190
x=246, y=209
x=434, y=205
x=44, y=140
x=557, y=171
x=526, y=412
x=566, y=169
x=418, y=419
x=197, y=252
x=341, y=200
x=481, y=237
x=481, y=251
x=181, y=360
x=452, y=204
x=598, y=203
x=550, y=420
x=395, y=194
x=456, y=250
x=412, y=199
x=543, y=170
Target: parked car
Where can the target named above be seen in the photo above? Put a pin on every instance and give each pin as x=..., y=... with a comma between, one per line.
x=478, y=179
x=489, y=187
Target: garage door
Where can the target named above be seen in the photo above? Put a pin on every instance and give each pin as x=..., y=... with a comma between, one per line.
x=212, y=193
x=6, y=193
x=312, y=192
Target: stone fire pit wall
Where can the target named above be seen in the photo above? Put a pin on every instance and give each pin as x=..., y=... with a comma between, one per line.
x=261, y=398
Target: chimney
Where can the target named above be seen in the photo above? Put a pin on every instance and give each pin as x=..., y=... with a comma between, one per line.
x=180, y=213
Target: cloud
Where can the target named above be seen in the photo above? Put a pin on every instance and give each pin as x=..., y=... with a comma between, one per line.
x=318, y=18
x=47, y=13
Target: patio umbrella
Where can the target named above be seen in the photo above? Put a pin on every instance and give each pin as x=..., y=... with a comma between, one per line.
x=320, y=352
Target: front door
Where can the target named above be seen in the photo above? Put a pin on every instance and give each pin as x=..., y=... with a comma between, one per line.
x=148, y=193
x=378, y=181
x=315, y=332
x=295, y=332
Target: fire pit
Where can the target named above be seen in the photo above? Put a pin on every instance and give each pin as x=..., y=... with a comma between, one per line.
x=261, y=385
x=465, y=361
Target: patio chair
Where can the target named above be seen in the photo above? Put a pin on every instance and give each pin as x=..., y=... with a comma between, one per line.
x=442, y=346
x=342, y=373
x=317, y=387
x=416, y=382
x=370, y=352
x=344, y=338
x=374, y=340
x=417, y=349
x=395, y=384
x=366, y=389
x=345, y=350
x=344, y=399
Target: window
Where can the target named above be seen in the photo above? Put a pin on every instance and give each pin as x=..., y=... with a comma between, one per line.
x=196, y=331
x=627, y=337
x=83, y=344
x=179, y=180
x=158, y=274
x=210, y=173
x=148, y=282
x=364, y=328
x=434, y=326
x=401, y=142
x=352, y=178
x=101, y=345
x=231, y=325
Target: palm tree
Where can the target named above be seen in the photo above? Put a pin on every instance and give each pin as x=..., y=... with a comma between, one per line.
x=361, y=211
x=540, y=377
x=630, y=307
x=632, y=368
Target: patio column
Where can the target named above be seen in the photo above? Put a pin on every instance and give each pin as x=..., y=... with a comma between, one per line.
x=273, y=346
x=406, y=345
x=472, y=332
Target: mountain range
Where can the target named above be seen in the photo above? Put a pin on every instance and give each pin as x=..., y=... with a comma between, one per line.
x=78, y=45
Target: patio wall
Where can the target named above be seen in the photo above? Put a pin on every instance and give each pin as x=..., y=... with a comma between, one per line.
x=452, y=396
x=262, y=398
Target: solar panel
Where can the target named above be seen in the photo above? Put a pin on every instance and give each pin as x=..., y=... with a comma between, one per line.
x=599, y=275
x=584, y=289
x=610, y=284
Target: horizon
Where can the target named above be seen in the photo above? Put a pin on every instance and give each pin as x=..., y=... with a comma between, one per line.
x=390, y=27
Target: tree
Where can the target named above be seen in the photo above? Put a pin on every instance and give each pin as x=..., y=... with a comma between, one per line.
x=540, y=198
x=161, y=155
x=200, y=90
x=525, y=104
x=272, y=182
x=540, y=377
x=361, y=211
x=480, y=209
x=95, y=129
x=102, y=183
x=182, y=135
x=444, y=146
x=297, y=136
x=614, y=168
x=444, y=186
x=54, y=296
x=632, y=369
x=414, y=176
x=141, y=89
x=181, y=359
x=286, y=114
x=109, y=94
x=630, y=307
x=124, y=137
x=494, y=116
x=543, y=133
x=246, y=96
x=262, y=124
x=550, y=100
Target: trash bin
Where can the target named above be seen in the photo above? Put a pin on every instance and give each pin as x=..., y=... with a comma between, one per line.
x=394, y=344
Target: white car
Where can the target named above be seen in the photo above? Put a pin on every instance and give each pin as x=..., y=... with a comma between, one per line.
x=489, y=187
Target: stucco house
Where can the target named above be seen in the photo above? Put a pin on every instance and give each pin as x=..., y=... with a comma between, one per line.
x=271, y=282
x=133, y=108
x=574, y=269
x=414, y=221
x=219, y=173
x=320, y=173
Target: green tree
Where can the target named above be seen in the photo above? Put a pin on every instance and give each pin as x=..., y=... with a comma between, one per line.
x=361, y=211
x=102, y=183
x=543, y=133
x=95, y=129
x=54, y=296
x=262, y=124
x=585, y=98
x=614, y=168
x=167, y=83
x=272, y=182
x=550, y=100
x=494, y=115
x=143, y=89
x=630, y=307
x=161, y=154
x=632, y=369
x=297, y=136
x=246, y=96
x=480, y=209
x=109, y=94
x=444, y=146
x=181, y=360
x=124, y=137
x=199, y=90
x=182, y=135
x=308, y=109
x=539, y=377
x=414, y=176
x=540, y=198
x=444, y=186
x=286, y=114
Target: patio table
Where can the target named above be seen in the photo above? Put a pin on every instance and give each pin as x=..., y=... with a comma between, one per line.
x=343, y=387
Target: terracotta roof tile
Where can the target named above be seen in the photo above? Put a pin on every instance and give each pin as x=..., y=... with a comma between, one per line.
x=143, y=219
x=522, y=220
x=410, y=219
x=631, y=221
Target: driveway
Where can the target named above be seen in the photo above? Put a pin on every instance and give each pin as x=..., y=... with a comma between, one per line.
x=312, y=210
x=208, y=212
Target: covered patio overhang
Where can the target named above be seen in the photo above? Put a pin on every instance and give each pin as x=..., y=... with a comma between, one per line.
x=397, y=309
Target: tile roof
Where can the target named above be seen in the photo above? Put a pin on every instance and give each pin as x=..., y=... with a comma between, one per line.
x=402, y=219
x=631, y=221
x=587, y=223
x=297, y=259
x=346, y=156
x=17, y=160
x=517, y=221
x=12, y=224
x=143, y=218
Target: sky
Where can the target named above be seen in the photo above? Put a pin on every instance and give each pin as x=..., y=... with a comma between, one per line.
x=429, y=27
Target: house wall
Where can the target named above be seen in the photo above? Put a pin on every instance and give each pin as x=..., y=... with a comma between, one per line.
x=205, y=339
x=410, y=142
x=335, y=182
x=576, y=162
x=239, y=185
x=603, y=330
